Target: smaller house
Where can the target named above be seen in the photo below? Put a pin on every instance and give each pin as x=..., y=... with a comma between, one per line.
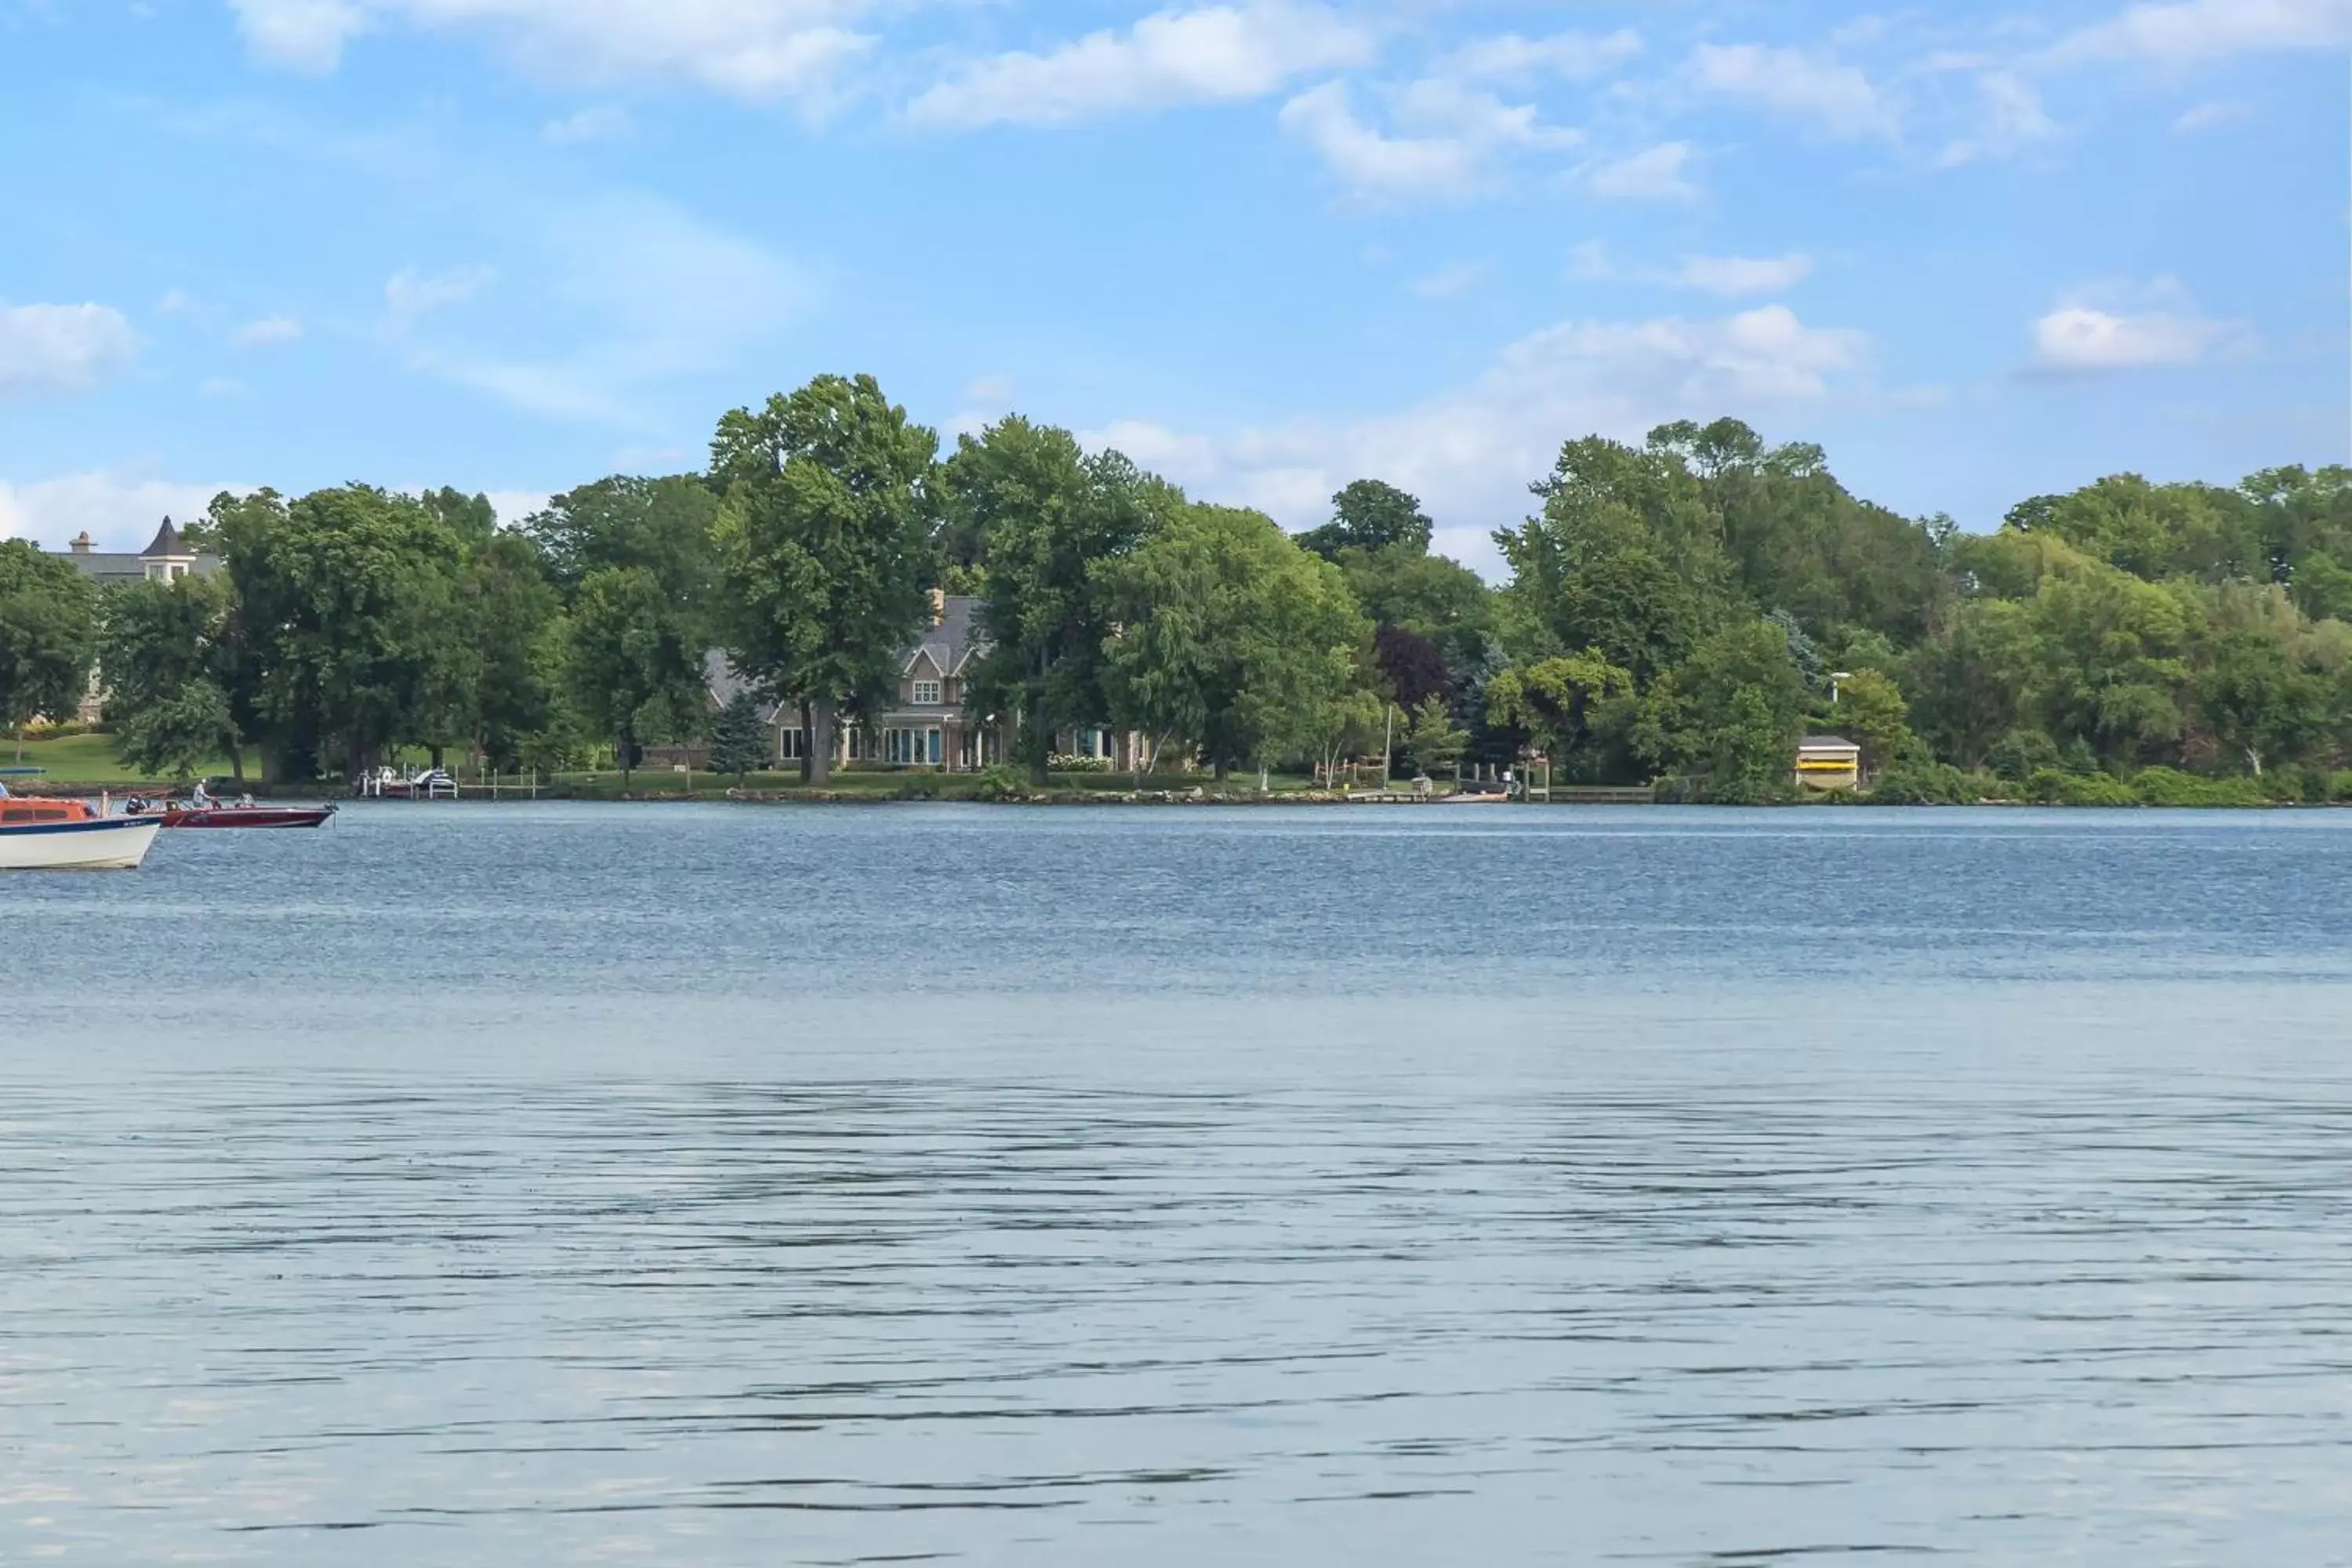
x=167, y=558
x=1828, y=763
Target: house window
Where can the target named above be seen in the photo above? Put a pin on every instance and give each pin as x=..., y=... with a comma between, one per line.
x=926, y=693
x=791, y=745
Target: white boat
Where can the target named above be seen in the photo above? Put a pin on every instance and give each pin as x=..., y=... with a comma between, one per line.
x=67, y=836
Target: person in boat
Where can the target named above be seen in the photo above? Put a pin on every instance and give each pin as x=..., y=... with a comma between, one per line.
x=200, y=799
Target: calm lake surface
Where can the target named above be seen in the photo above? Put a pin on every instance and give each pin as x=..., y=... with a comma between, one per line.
x=706, y=1184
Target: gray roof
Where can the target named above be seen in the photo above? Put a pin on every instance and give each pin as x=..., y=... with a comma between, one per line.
x=121, y=566
x=116, y=566
x=953, y=640
x=1811, y=742
x=725, y=686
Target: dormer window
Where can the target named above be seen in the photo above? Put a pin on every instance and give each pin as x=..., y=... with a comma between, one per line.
x=926, y=693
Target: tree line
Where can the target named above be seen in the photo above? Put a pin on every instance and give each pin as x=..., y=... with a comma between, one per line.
x=1682, y=610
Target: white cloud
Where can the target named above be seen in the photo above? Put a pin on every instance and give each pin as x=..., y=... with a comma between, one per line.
x=1450, y=136
x=1655, y=174
x=267, y=332
x=120, y=511
x=513, y=506
x=1218, y=54
x=1837, y=97
x=299, y=35
x=2126, y=329
x=748, y=48
x=638, y=293
x=599, y=123
x=1448, y=282
x=408, y=294
x=1470, y=452
x=2076, y=338
x=1737, y=274
x=997, y=389
x=2204, y=117
x=220, y=387
x=2191, y=32
x=2012, y=120
x=61, y=349
x=174, y=302
x=1729, y=276
x=1576, y=56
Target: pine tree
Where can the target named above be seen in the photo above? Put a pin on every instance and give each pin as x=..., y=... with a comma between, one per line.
x=740, y=743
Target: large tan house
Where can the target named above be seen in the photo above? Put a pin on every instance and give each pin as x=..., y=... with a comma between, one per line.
x=928, y=724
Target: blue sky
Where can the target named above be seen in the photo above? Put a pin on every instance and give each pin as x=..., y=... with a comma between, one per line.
x=1975, y=251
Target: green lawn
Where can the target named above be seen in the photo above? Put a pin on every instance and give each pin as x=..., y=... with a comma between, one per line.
x=84, y=760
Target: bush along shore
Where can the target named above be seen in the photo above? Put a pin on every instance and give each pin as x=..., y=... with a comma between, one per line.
x=1673, y=614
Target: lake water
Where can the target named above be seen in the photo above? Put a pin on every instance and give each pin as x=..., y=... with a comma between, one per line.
x=670, y=1185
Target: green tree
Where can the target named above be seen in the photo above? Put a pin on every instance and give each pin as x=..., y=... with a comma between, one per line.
x=1731, y=714
x=507, y=606
x=1559, y=702
x=1371, y=516
x=1622, y=558
x=347, y=606
x=739, y=740
x=1871, y=711
x=49, y=635
x=1233, y=641
x=2259, y=700
x=661, y=524
x=1042, y=515
x=1432, y=743
x=164, y=660
x=825, y=532
x=633, y=673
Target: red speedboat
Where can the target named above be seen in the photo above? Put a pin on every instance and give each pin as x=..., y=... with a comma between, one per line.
x=217, y=814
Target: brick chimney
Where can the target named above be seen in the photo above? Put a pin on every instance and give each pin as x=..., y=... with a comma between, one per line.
x=938, y=605
x=81, y=544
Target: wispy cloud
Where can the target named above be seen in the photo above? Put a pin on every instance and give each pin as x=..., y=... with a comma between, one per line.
x=2203, y=117
x=1659, y=174
x=639, y=292
x=2114, y=329
x=1449, y=281
x=1444, y=141
x=1801, y=84
x=1572, y=57
x=2192, y=32
x=118, y=509
x=1219, y=54
x=747, y=48
x=598, y=122
x=267, y=332
x=1470, y=451
x=408, y=294
x=1732, y=276
x=61, y=349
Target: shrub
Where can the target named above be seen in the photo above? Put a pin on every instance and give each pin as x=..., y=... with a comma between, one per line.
x=920, y=787
x=2051, y=787
x=1926, y=783
x=1071, y=762
x=2339, y=787
x=1000, y=783
x=2020, y=754
x=2169, y=786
